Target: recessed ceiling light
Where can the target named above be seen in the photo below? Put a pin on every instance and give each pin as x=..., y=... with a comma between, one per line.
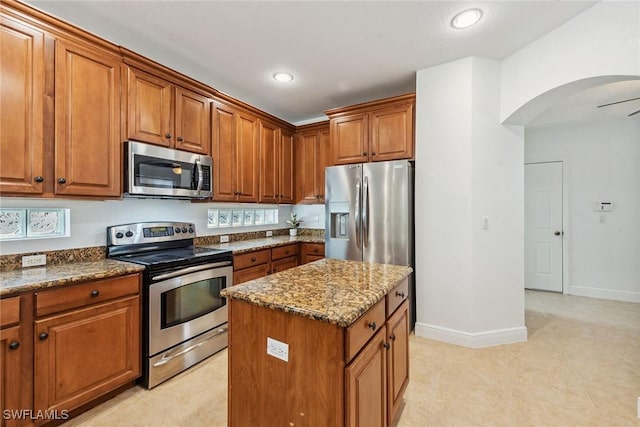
x=283, y=77
x=466, y=18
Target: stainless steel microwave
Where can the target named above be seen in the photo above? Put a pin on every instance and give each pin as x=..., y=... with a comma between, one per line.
x=159, y=172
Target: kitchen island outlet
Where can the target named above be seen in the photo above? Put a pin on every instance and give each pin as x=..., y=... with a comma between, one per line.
x=325, y=343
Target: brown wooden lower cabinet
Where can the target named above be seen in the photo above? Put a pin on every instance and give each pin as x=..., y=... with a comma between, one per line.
x=83, y=351
x=12, y=386
x=398, y=359
x=260, y=263
x=310, y=252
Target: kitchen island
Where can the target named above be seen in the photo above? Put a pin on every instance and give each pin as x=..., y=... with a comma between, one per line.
x=323, y=344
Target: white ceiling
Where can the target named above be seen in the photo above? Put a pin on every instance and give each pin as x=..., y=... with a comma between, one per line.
x=340, y=52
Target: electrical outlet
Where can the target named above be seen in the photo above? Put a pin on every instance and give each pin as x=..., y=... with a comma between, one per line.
x=34, y=260
x=269, y=233
x=224, y=239
x=278, y=349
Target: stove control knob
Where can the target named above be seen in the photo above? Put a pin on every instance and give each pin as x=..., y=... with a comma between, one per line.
x=184, y=229
x=190, y=229
x=177, y=230
x=119, y=235
x=129, y=234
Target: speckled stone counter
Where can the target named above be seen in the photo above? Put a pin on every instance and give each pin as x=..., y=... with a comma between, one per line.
x=329, y=290
x=239, y=247
x=32, y=279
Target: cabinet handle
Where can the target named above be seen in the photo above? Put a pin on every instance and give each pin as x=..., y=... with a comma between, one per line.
x=62, y=181
x=43, y=336
x=179, y=139
x=168, y=136
x=364, y=153
x=253, y=259
x=14, y=345
x=400, y=294
x=95, y=293
x=386, y=345
x=392, y=337
x=373, y=153
x=373, y=326
x=315, y=250
x=286, y=252
x=38, y=179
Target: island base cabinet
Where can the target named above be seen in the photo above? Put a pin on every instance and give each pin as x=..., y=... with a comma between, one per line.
x=85, y=353
x=398, y=359
x=303, y=391
x=366, y=385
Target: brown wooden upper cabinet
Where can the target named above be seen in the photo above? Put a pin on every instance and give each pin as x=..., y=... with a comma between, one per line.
x=63, y=137
x=276, y=164
x=235, y=153
x=162, y=113
x=374, y=131
x=312, y=156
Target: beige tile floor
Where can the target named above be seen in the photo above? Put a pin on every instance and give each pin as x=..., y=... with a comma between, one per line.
x=580, y=367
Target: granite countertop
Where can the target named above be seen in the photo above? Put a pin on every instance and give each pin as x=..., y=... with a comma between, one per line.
x=36, y=278
x=242, y=246
x=329, y=290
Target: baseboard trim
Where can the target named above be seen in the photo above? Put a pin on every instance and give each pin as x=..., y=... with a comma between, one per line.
x=472, y=339
x=605, y=294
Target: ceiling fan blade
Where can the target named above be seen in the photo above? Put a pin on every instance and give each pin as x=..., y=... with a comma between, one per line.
x=618, y=102
x=634, y=113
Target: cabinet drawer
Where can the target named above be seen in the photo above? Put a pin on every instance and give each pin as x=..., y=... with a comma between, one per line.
x=364, y=328
x=251, y=259
x=314, y=249
x=397, y=296
x=56, y=300
x=284, y=251
x=284, y=264
x=9, y=311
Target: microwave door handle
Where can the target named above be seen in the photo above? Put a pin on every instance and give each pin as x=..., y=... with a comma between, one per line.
x=199, y=166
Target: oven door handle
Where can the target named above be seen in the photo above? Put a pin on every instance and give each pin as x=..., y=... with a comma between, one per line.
x=168, y=358
x=192, y=269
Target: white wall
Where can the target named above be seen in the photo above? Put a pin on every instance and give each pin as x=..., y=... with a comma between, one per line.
x=602, y=163
x=312, y=216
x=89, y=219
x=602, y=41
x=469, y=282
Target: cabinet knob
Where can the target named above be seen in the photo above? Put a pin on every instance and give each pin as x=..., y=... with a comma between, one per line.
x=400, y=294
x=14, y=345
x=392, y=337
x=386, y=345
x=286, y=252
x=168, y=136
x=373, y=325
x=315, y=250
x=556, y=233
x=179, y=139
x=43, y=336
x=253, y=259
x=62, y=181
x=364, y=153
x=38, y=179
x=95, y=293
x=373, y=153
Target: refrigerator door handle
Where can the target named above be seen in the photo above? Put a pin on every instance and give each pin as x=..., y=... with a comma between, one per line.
x=357, y=214
x=365, y=213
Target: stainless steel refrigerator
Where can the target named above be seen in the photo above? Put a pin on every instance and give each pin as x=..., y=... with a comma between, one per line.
x=369, y=213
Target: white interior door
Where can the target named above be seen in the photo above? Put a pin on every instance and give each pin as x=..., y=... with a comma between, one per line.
x=543, y=226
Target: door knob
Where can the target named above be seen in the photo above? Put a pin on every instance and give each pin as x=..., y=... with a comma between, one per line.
x=557, y=233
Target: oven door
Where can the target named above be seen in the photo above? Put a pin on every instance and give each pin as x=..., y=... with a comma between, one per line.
x=186, y=304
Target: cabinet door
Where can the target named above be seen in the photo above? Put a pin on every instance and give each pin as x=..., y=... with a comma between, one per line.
x=306, y=175
x=246, y=274
x=322, y=161
x=247, y=160
x=193, y=125
x=223, y=152
x=269, y=163
x=366, y=386
x=392, y=133
x=350, y=139
x=284, y=264
x=87, y=121
x=11, y=350
x=398, y=362
x=82, y=354
x=149, y=108
x=286, y=170
x=21, y=103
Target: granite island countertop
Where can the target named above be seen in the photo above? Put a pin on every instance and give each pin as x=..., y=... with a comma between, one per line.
x=329, y=290
x=37, y=278
x=243, y=246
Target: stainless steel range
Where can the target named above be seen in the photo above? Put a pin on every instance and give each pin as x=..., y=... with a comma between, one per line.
x=184, y=317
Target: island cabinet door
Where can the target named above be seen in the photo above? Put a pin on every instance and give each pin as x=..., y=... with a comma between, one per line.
x=366, y=385
x=398, y=358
